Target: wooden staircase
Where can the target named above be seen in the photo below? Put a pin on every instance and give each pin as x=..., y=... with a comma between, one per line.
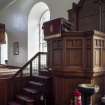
x=37, y=91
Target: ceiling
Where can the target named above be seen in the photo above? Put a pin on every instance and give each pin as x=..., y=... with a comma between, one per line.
x=3, y=3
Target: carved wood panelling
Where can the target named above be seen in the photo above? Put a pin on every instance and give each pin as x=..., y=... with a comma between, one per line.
x=57, y=52
x=103, y=57
x=89, y=58
x=103, y=43
x=57, y=57
x=99, y=45
x=74, y=57
x=74, y=43
x=73, y=51
x=88, y=43
x=97, y=57
x=57, y=44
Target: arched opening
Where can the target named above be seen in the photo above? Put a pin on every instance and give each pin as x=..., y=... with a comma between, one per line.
x=4, y=51
x=37, y=16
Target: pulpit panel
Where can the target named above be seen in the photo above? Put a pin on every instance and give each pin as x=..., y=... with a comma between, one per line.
x=55, y=52
x=97, y=57
x=73, y=51
x=99, y=53
x=103, y=57
x=57, y=57
x=88, y=53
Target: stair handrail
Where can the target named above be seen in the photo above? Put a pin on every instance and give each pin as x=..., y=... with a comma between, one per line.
x=27, y=63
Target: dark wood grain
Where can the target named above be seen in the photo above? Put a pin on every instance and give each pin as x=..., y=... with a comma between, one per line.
x=88, y=15
x=74, y=58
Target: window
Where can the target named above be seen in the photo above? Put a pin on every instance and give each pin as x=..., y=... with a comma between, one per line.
x=38, y=14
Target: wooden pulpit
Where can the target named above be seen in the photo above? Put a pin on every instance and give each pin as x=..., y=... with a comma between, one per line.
x=76, y=57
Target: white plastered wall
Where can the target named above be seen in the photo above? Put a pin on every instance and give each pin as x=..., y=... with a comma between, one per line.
x=15, y=17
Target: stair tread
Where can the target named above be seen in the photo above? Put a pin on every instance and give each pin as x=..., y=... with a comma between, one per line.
x=36, y=83
x=42, y=76
x=30, y=90
x=14, y=103
x=25, y=98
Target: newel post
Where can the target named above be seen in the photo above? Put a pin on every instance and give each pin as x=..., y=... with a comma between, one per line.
x=31, y=69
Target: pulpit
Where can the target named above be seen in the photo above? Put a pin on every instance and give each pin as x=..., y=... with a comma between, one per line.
x=77, y=56
x=74, y=58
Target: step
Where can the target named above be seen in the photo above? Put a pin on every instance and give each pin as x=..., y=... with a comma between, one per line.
x=41, y=78
x=39, y=84
x=25, y=98
x=31, y=90
x=14, y=103
x=45, y=72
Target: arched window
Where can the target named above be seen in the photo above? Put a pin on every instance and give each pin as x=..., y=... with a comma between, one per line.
x=38, y=14
x=42, y=43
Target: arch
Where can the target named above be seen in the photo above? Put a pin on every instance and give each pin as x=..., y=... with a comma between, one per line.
x=38, y=14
